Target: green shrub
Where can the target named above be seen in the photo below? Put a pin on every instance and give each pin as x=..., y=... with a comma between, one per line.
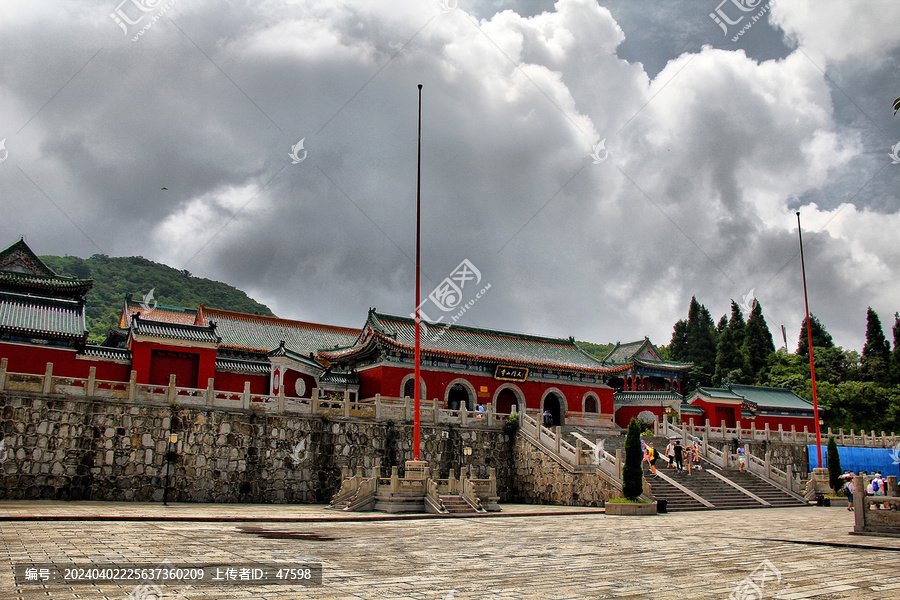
x=632, y=474
x=834, y=464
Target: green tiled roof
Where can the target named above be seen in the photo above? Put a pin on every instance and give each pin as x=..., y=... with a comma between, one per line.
x=237, y=365
x=622, y=353
x=193, y=333
x=650, y=398
x=55, y=317
x=722, y=393
x=769, y=398
x=107, y=352
x=483, y=344
x=282, y=350
x=339, y=378
x=630, y=353
x=261, y=334
x=20, y=268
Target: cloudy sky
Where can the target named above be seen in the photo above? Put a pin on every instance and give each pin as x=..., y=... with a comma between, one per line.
x=596, y=162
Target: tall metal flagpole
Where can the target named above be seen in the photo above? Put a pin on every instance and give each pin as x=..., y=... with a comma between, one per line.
x=812, y=363
x=418, y=385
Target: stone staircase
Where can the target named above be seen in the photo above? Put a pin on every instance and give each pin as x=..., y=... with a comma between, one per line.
x=457, y=505
x=716, y=490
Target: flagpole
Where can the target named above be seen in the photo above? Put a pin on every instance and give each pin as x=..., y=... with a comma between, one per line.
x=416, y=395
x=812, y=363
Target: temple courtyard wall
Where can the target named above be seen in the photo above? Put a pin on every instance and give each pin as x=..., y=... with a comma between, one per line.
x=97, y=449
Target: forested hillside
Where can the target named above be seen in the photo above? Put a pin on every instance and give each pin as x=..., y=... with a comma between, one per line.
x=135, y=276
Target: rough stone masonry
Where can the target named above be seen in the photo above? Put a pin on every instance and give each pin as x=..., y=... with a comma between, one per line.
x=96, y=449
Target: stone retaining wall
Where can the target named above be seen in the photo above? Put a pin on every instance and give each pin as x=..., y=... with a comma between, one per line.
x=540, y=480
x=97, y=449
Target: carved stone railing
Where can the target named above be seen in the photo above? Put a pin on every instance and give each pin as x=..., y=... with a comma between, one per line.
x=379, y=407
x=805, y=437
x=876, y=515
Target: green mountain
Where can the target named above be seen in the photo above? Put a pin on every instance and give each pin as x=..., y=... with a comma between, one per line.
x=133, y=277
x=596, y=350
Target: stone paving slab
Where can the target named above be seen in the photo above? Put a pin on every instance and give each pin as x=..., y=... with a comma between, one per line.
x=742, y=554
x=18, y=510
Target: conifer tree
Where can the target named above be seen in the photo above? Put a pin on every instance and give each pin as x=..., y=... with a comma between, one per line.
x=757, y=344
x=736, y=323
x=820, y=337
x=834, y=464
x=632, y=473
x=721, y=325
x=876, y=353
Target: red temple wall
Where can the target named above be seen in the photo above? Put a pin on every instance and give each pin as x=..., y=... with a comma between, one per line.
x=387, y=381
x=141, y=352
x=34, y=359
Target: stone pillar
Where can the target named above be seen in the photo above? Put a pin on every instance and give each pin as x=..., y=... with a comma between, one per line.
x=377, y=407
x=463, y=414
x=435, y=411
x=281, y=397
x=314, y=401
x=132, y=385
x=171, y=392
x=4, y=365
x=859, y=503
x=891, y=486
x=395, y=479
x=91, y=382
x=245, y=397
x=210, y=391
x=48, y=378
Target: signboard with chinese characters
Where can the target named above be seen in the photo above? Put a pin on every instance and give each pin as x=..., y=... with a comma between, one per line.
x=504, y=373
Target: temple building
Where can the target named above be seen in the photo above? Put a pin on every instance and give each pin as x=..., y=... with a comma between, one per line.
x=647, y=371
x=748, y=405
x=42, y=326
x=469, y=366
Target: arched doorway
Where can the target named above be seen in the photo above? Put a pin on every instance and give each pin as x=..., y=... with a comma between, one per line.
x=553, y=404
x=590, y=403
x=408, y=389
x=459, y=396
x=506, y=399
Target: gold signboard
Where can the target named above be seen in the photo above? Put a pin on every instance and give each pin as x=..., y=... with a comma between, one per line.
x=504, y=373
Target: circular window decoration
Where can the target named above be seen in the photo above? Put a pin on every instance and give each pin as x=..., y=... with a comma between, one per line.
x=300, y=387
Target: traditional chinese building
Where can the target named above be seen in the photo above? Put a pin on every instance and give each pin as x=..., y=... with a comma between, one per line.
x=749, y=404
x=469, y=366
x=647, y=371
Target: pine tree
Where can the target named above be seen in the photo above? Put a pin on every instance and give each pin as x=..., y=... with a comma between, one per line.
x=721, y=325
x=736, y=323
x=876, y=353
x=701, y=341
x=678, y=345
x=834, y=464
x=757, y=345
x=820, y=337
x=632, y=473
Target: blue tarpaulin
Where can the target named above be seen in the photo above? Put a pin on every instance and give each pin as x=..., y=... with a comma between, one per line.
x=870, y=460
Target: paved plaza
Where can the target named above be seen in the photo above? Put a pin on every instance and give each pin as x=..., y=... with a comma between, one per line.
x=528, y=552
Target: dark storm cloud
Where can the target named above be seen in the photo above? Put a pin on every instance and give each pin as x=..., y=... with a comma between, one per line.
x=712, y=146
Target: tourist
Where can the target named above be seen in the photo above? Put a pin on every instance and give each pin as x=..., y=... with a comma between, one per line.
x=679, y=455
x=742, y=458
x=651, y=453
x=849, y=488
x=670, y=454
x=548, y=420
x=688, y=458
x=695, y=449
